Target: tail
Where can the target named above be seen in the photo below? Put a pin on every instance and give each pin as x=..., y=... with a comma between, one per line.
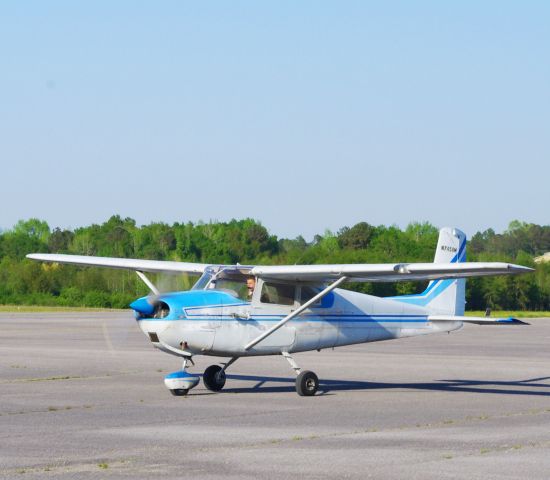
x=444, y=297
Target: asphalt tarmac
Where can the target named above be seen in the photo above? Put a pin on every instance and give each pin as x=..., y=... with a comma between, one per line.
x=82, y=396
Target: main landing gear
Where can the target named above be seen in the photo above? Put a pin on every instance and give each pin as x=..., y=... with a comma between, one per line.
x=307, y=382
x=214, y=376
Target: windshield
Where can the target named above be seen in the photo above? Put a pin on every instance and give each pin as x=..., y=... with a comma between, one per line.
x=233, y=286
x=231, y=280
x=202, y=281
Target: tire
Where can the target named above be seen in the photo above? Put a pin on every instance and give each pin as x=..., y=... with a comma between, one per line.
x=179, y=392
x=214, y=378
x=307, y=384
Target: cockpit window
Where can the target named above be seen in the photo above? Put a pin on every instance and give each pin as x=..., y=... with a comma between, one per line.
x=307, y=293
x=233, y=286
x=278, y=293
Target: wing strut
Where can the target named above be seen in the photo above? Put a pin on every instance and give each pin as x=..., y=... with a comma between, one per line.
x=295, y=313
x=148, y=282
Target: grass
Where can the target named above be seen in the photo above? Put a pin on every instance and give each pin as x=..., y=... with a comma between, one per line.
x=509, y=313
x=44, y=308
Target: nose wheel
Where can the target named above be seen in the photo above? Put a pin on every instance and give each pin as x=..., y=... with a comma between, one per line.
x=179, y=392
x=179, y=383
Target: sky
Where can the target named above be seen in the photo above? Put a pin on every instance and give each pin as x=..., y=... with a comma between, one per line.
x=305, y=115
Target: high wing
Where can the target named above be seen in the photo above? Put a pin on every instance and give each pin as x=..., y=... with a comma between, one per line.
x=387, y=272
x=383, y=272
x=154, y=266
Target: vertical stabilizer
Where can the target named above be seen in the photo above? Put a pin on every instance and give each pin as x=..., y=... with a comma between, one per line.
x=451, y=294
x=451, y=246
x=444, y=297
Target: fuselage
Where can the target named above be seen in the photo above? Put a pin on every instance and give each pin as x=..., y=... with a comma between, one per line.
x=213, y=322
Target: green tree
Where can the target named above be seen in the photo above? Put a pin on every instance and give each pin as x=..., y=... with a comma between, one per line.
x=358, y=236
x=33, y=228
x=247, y=241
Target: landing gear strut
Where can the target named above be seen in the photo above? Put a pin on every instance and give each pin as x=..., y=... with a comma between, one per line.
x=307, y=382
x=214, y=376
x=180, y=382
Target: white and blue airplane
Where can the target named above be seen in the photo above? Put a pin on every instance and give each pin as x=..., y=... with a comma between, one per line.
x=239, y=311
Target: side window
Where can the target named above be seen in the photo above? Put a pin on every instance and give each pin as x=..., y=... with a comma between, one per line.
x=277, y=293
x=307, y=293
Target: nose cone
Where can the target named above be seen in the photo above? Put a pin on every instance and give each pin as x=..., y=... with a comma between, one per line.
x=142, y=306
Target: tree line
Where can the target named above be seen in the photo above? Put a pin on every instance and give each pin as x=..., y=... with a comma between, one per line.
x=248, y=242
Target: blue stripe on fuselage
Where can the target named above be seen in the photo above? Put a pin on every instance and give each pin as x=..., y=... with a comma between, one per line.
x=422, y=299
x=351, y=318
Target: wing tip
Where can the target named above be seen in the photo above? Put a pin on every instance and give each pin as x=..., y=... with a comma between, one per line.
x=520, y=268
x=514, y=321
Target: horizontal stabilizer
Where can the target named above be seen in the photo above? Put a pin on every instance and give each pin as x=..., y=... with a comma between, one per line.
x=477, y=320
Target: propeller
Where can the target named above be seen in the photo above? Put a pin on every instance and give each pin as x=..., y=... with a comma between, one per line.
x=116, y=334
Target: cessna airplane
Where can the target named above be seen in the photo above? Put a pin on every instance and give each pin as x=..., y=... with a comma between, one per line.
x=239, y=311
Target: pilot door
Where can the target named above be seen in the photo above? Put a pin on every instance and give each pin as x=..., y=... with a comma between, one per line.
x=271, y=302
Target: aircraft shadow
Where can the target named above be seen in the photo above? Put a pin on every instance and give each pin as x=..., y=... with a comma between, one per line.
x=531, y=386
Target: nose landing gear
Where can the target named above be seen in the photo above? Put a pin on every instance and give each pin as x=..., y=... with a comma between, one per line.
x=179, y=383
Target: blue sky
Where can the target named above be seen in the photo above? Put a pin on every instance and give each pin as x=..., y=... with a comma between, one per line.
x=303, y=115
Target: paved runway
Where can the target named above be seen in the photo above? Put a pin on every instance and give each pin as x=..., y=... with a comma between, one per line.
x=82, y=396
